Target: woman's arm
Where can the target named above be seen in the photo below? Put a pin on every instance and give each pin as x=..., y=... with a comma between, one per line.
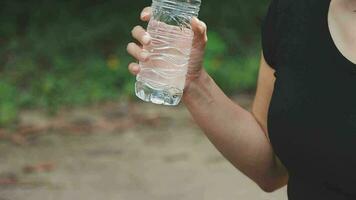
x=239, y=135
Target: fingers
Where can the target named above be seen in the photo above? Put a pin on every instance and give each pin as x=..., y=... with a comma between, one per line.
x=146, y=14
x=200, y=30
x=144, y=38
x=141, y=35
x=137, y=52
x=134, y=68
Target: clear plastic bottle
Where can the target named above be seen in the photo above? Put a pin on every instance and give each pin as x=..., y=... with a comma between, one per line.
x=162, y=77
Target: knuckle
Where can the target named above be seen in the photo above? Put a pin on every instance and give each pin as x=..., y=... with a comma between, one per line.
x=130, y=46
x=148, y=8
x=134, y=30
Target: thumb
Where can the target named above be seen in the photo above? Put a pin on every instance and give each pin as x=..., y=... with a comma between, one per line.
x=200, y=31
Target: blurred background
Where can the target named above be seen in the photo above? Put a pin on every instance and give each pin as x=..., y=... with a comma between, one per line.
x=70, y=126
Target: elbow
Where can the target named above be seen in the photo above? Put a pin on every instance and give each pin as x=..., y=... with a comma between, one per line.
x=271, y=186
x=268, y=188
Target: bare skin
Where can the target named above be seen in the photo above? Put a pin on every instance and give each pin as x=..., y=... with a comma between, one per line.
x=342, y=25
x=238, y=134
x=241, y=136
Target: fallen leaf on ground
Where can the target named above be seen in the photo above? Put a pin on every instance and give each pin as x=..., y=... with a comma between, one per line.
x=18, y=139
x=41, y=167
x=8, y=179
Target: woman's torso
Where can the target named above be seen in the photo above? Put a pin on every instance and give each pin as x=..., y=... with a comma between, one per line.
x=312, y=116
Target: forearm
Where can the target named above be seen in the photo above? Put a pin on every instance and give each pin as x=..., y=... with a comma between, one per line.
x=234, y=132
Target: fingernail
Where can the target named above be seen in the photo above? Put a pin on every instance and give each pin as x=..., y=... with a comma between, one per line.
x=144, y=15
x=144, y=56
x=146, y=39
x=135, y=69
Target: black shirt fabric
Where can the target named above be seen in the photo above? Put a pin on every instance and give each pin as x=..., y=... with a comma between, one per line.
x=312, y=115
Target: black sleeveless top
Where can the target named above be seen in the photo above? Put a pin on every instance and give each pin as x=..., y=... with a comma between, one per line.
x=312, y=115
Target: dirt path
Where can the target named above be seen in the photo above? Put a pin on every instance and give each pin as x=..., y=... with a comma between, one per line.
x=170, y=159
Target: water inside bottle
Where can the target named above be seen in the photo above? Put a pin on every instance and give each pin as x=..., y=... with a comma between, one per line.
x=162, y=78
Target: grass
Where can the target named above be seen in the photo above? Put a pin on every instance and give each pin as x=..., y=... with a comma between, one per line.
x=59, y=53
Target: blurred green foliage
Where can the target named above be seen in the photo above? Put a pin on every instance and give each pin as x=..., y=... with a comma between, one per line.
x=69, y=53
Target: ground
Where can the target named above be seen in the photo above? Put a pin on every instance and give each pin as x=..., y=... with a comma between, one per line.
x=119, y=152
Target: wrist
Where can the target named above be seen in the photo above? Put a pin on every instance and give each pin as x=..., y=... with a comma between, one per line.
x=198, y=88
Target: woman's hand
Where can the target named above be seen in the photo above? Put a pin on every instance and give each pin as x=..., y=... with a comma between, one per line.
x=195, y=66
x=233, y=130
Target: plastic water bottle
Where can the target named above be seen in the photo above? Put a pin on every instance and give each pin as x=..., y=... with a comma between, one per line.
x=162, y=77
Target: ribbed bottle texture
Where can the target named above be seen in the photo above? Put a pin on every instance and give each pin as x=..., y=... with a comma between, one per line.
x=162, y=77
